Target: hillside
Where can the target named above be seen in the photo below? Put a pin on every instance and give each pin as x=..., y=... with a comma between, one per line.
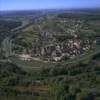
x=62, y=82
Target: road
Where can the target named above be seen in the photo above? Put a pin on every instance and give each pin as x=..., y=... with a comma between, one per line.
x=6, y=45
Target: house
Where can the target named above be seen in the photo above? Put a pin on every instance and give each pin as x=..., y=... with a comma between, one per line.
x=25, y=57
x=57, y=58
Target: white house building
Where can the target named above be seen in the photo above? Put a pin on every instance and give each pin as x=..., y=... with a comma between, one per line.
x=25, y=57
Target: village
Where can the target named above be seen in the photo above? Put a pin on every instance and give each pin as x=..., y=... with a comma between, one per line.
x=47, y=44
x=61, y=51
